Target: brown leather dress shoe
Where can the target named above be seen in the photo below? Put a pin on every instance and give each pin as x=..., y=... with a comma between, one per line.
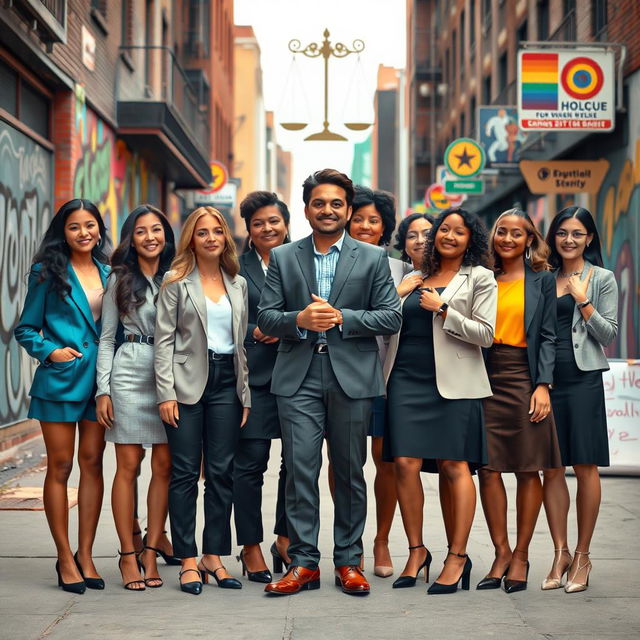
x=352, y=581
x=296, y=579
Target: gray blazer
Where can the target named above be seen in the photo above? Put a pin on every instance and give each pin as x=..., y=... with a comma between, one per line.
x=472, y=296
x=363, y=291
x=589, y=338
x=180, y=353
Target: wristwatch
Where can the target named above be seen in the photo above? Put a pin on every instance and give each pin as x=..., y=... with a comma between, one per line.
x=442, y=309
x=581, y=305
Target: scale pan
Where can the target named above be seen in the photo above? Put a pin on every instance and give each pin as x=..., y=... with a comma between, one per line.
x=293, y=126
x=357, y=126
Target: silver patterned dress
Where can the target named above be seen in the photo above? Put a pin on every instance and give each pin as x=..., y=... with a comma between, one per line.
x=128, y=374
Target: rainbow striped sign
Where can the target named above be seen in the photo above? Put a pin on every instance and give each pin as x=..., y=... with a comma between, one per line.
x=539, y=75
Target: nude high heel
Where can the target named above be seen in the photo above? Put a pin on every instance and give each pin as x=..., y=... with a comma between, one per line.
x=557, y=569
x=573, y=586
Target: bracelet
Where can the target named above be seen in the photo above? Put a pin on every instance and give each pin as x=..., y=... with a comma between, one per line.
x=586, y=303
x=443, y=307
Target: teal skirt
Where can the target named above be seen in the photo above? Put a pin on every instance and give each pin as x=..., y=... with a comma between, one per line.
x=50, y=411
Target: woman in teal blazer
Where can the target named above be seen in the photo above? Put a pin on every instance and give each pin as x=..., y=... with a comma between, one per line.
x=60, y=327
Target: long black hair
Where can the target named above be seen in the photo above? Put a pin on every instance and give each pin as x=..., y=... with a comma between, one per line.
x=131, y=285
x=385, y=205
x=592, y=252
x=53, y=254
x=477, y=252
x=403, y=229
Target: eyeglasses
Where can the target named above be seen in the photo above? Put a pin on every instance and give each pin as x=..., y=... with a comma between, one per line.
x=576, y=235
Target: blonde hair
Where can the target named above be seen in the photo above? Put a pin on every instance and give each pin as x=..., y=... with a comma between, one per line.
x=539, y=254
x=185, y=261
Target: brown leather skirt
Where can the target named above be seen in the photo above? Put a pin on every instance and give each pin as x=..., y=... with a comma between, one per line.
x=515, y=443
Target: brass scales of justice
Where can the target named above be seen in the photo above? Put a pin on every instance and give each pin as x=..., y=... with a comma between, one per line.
x=326, y=50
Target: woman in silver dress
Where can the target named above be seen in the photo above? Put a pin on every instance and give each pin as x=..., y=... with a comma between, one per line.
x=126, y=397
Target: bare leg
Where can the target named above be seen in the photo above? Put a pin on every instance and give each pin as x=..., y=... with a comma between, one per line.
x=463, y=501
x=59, y=440
x=128, y=457
x=528, y=503
x=556, y=505
x=386, y=499
x=282, y=545
x=494, y=504
x=411, y=501
x=446, y=506
x=90, y=492
x=138, y=545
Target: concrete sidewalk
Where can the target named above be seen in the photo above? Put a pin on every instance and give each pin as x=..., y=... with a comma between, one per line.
x=31, y=605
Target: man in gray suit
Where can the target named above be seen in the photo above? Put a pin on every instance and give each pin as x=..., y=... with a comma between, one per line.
x=326, y=297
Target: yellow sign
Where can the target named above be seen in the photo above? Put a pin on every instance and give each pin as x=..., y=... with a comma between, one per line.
x=219, y=176
x=464, y=158
x=564, y=176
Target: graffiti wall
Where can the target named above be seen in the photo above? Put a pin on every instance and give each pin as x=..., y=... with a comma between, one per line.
x=25, y=211
x=107, y=172
x=617, y=207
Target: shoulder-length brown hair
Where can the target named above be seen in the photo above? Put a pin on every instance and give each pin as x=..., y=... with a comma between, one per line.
x=536, y=255
x=185, y=261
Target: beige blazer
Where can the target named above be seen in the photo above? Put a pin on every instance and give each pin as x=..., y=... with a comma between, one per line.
x=180, y=349
x=472, y=296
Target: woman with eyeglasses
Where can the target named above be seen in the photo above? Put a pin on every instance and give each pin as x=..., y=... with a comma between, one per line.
x=587, y=322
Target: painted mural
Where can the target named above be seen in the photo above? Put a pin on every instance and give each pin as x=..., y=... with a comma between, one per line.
x=25, y=211
x=107, y=172
x=617, y=208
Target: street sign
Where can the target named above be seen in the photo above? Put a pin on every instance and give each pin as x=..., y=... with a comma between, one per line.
x=567, y=89
x=455, y=200
x=564, y=176
x=499, y=134
x=223, y=197
x=471, y=187
x=219, y=177
x=436, y=198
x=464, y=158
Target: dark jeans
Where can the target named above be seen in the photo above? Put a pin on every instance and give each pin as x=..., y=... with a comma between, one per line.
x=207, y=436
x=250, y=464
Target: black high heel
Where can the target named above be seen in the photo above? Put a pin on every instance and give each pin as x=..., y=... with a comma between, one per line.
x=71, y=587
x=489, y=582
x=195, y=587
x=144, y=570
x=404, y=582
x=263, y=577
x=511, y=586
x=167, y=557
x=438, y=588
x=91, y=583
x=129, y=585
x=223, y=583
x=278, y=560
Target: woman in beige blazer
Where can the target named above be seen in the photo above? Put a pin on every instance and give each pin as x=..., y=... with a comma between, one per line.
x=203, y=388
x=435, y=381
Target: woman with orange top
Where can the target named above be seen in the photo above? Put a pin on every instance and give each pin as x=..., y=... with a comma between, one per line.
x=521, y=434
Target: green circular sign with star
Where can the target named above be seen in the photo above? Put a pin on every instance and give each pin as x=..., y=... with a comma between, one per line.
x=464, y=158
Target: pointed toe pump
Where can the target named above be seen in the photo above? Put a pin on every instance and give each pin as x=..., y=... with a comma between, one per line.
x=573, y=586
x=195, y=587
x=438, y=588
x=489, y=582
x=91, y=583
x=223, y=583
x=511, y=586
x=263, y=577
x=71, y=587
x=404, y=582
x=561, y=563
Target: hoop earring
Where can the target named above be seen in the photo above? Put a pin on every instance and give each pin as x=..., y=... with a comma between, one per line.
x=250, y=244
x=588, y=243
x=527, y=254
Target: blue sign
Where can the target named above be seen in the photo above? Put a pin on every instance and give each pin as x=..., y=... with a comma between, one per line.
x=499, y=134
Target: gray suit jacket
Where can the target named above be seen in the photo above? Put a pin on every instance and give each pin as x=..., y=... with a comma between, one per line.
x=180, y=352
x=589, y=338
x=363, y=291
x=472, y=296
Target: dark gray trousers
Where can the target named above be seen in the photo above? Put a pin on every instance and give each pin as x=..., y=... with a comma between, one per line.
x=320, y=408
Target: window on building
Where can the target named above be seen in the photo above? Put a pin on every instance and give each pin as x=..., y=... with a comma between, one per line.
x=543, y=19
x=472, y=115
x=34, y=109
x=100, y=6
x=454, y=53
x=486, y=12
x=463, y=124
x=522, y=34
x=502, y=71
x=599, y=18
x=463, y=43
x=9, y=93
x=472, y=22
x=486, y=90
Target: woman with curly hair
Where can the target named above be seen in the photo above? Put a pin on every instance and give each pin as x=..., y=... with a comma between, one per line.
x=521, y=434
x=60, y=327
x=435, y=409
x=126, y=398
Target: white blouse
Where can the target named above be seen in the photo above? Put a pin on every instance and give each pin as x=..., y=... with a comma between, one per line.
x=219, y=326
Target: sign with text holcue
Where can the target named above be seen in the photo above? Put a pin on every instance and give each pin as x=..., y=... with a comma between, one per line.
x=569, y=90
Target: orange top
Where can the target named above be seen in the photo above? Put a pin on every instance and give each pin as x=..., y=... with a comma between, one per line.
x=510, y=318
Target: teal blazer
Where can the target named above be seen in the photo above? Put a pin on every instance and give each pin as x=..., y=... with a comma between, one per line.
x=49, y=322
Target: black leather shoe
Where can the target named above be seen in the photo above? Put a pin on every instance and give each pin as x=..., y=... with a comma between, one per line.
x=491, y=583
x=438, y=588
x=404, y=582
x=511, y=586
x=195, y=587
x=71, y=587
x=91, y=583
x=278, y=560
x=263, y=577
x=223, y=583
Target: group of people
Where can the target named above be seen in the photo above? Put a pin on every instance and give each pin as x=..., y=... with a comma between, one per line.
x=477, y=353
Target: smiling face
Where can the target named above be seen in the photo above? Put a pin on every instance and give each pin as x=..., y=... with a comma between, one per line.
x=148, y=237
x=81, y=231
x=572, y=239
x=452, y=237
x=267, y=228
x=366, y=225
x=511, y=238
x=416, y=239
x=327, y=211
x=208, y=240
